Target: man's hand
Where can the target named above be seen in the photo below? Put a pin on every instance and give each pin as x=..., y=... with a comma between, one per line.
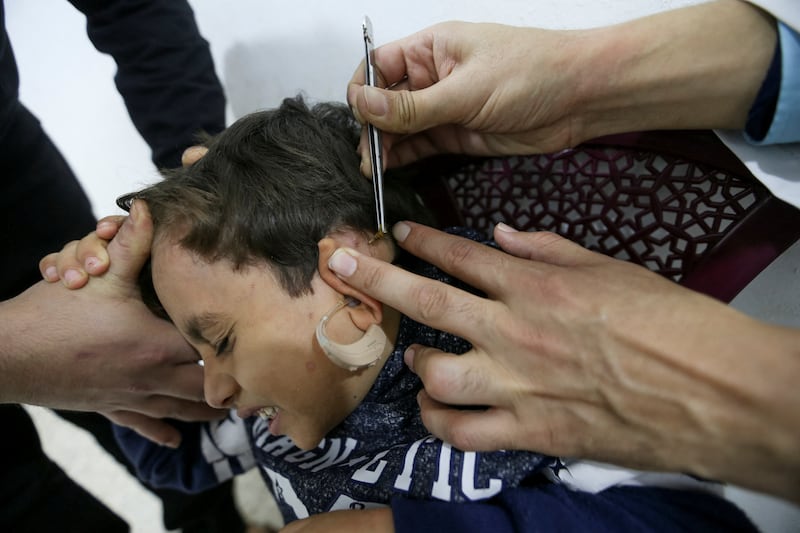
x=101, y=349
x=577, y=354
x=459, y=87
x=373, y=520
x=489, y=89
x=78, y=260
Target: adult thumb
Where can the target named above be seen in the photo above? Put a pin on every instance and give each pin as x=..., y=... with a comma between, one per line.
x=130, y=248
x=404, y=111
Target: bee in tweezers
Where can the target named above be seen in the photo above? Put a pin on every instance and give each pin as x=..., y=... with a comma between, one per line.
x=378, y=236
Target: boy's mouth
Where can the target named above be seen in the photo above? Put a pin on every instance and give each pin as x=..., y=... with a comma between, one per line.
x=267, y=413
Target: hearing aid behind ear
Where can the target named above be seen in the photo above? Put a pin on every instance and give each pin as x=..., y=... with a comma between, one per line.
x=363, y=353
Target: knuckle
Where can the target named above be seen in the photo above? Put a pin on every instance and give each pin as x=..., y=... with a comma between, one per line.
x=431, y=300
x=460, y=251
x=47, y=261
x=464, y=437
x=141, y=389
x=446, y=377
x=67, y=248
x=405, y=110
x=473, y=381
x=372, y=278
x=438, y=384
x=555, y=288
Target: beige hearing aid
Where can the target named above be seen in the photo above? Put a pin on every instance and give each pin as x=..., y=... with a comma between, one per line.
x=363, y=353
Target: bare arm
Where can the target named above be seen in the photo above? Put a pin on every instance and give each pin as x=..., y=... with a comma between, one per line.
x=377, y=520
x=100, y=348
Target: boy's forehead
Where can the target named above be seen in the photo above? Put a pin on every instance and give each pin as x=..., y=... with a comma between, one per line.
x=189, y=286
x=172, y=260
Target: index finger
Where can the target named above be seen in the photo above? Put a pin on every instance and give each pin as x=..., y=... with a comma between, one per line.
x=423, y=299
x=474, y=263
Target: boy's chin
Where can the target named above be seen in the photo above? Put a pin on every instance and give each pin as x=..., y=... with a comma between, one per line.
x=305, y=438
x=307, y=442
x=306, y=431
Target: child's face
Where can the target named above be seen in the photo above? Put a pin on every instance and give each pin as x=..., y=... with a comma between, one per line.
x=257, y=343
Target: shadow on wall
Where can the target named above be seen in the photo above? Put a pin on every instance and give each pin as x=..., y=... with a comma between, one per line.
x=260, y=74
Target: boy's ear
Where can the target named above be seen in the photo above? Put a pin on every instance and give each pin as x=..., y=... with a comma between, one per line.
x=327, y=246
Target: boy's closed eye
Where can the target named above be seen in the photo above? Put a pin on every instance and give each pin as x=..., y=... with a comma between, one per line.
x=224, y=346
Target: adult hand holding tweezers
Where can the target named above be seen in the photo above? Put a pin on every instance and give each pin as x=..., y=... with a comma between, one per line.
x=569, y=359
x=488, y=89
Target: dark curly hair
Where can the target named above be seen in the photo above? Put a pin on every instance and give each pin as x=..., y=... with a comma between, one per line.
x=270, y=187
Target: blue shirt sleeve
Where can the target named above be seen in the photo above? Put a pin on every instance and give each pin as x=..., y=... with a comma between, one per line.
x=775, y=115
x=553, y=507
x=210, y=453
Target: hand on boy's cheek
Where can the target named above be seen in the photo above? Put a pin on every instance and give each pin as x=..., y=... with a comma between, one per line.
x=373, y=520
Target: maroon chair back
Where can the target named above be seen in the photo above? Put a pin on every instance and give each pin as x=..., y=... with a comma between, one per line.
x=678, y=203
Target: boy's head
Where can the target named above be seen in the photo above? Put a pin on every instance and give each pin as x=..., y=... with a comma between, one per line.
x=270, y=187
x=239, y=240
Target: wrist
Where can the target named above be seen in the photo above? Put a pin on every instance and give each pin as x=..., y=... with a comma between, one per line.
x=17, y=366
x=32, y=348
x=773, y=374
x=751, y=411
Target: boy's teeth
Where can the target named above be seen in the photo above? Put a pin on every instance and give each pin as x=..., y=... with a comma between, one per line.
x=267, y=412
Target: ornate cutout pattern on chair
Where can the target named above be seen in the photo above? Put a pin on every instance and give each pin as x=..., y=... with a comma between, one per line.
x=679, y=203
x=641, y=207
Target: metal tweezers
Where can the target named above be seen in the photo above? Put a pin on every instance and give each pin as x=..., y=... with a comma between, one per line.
x=375, y=143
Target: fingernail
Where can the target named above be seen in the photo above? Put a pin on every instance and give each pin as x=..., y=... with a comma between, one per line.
x=91, y=263
x=51, y=274
x=134, y=212
x=342, y=262
x=366, y=167
x=400, y=231
x=505, y=228
x=171, y=444
x=376, y=101
x=105, y=224
x=71, y=277
x=408, y=357
x=356, y=114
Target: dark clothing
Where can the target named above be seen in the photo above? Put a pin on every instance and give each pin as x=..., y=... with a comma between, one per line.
x=551, y=507
x=167, y=80
x=36, y=494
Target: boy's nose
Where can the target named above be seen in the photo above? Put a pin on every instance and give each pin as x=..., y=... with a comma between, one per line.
x=220, y=389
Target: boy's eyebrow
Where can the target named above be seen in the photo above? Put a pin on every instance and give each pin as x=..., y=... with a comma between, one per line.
x=197, y=325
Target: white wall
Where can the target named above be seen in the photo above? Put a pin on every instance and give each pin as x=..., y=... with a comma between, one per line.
x=263, y=51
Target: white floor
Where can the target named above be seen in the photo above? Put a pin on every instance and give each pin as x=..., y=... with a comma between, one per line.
x=86, y=462
x=264, y=51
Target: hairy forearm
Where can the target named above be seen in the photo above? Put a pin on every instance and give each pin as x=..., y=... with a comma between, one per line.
x=769, y=427
x=693, y=68
x=21, y=343
x=718, y=387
